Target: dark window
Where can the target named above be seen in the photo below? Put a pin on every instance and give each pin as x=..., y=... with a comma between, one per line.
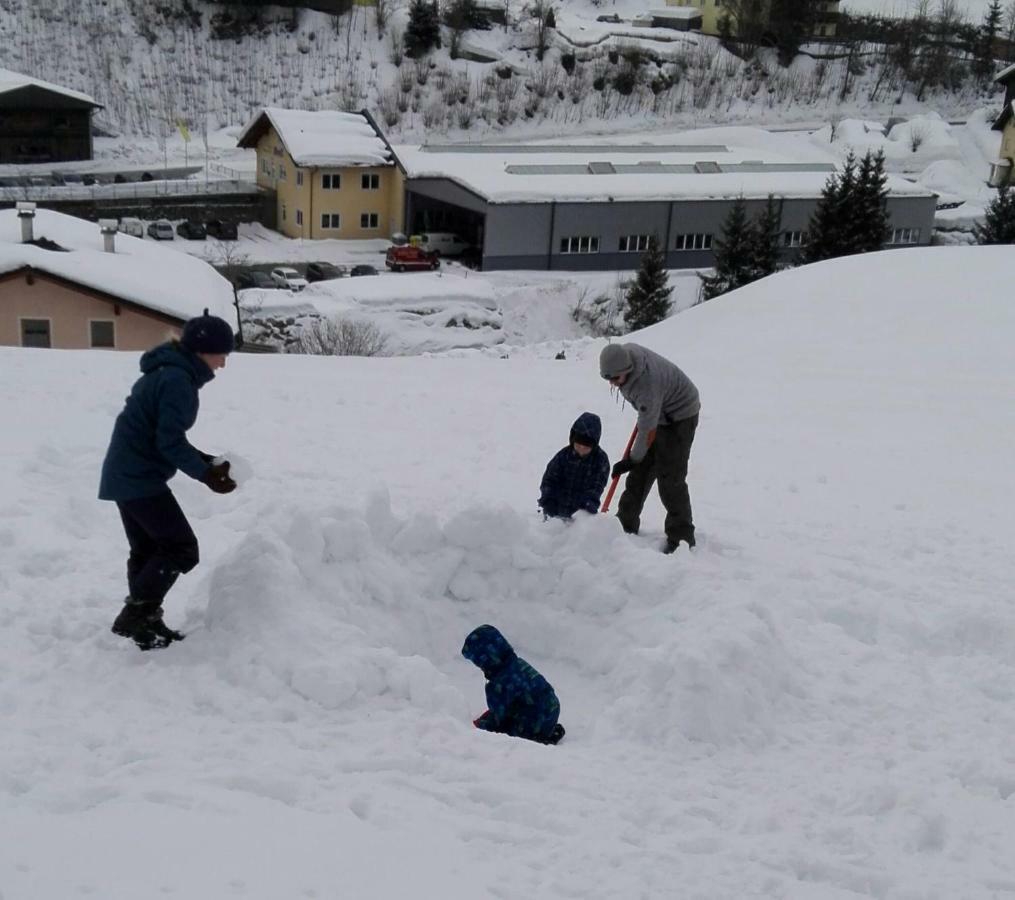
x=693, y=242
x=330, y=220
x=633, y=243
x=102, y=334
x=35, y=333
x=369, y=220
x=371, y=182
x=580, y=244
x=331, y=182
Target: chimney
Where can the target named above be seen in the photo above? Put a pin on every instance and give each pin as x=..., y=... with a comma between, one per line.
x=108, y=229
x=26, y=212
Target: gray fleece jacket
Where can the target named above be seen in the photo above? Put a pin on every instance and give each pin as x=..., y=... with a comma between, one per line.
x=660, y=392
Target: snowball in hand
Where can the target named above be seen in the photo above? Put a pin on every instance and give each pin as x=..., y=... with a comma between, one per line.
x=239, y=469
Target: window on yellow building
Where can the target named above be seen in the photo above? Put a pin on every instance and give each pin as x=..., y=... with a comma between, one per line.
x=331, y=182
x=371, y=182
x=369, y=220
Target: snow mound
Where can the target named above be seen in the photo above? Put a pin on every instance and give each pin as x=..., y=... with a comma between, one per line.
x=351, y=608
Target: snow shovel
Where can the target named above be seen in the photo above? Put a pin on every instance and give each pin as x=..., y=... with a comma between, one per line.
x=613, y=484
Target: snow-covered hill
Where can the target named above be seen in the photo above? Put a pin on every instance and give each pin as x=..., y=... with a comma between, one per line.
x=154, y=65
x=815, y=705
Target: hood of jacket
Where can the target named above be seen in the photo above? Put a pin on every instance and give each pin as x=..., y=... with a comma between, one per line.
x=173, y=353
x=487, y=648
x=587, y=425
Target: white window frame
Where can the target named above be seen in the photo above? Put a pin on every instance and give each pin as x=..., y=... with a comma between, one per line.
x=905, y=236
x=633, y=243
x=331, y=182
x=49, y=330
x=281, y=172
x=299, y=178
x=791, y=239
x=370, y=181
x=373, y=221
x=580, y=243
x=701, y=240
x=331, y=221
x=91, y=335
x=299, y=217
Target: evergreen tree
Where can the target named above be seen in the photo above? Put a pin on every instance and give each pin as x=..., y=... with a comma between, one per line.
x=423, y=31
x=986, y=42
x=734, y=255
x=999, y=222
x=648, y=299
x=868, y=210
x=827, y=233
x=765, y=240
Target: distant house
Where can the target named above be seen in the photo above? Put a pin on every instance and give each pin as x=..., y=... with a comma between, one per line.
x=333, y=173
x=826, y=14
x=1002, y=170
x=70, y=284
x=680, y=18
x=42, y=122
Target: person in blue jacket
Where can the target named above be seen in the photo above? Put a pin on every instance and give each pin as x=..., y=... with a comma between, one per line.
x=148, y=446
x=520, y=701
x=574, y=479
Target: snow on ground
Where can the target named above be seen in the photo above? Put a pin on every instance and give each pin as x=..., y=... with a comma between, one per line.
x=817, y=704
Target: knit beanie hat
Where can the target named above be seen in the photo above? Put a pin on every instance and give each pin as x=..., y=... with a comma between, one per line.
x=615, y=360
x=208, y=334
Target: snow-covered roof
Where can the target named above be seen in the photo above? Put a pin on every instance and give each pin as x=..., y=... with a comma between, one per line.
x=681, y=13
x=141, y=272
x=14, y=81
x=320, y=138
x=541, y=173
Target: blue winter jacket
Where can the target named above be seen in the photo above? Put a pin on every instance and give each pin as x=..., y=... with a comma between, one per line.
x=149, y=440
x=520, y=701
x=572, y=482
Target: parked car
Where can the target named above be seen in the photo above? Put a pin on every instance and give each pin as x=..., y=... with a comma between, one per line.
x=133, y=227
x=161, y=230
x=443, y=243
x=362, y=269
x=254, y=279
x=221, y=229
x=286, y=277
x=401, y=259
x=322, y=271
x=609, y=17
x=192, y=231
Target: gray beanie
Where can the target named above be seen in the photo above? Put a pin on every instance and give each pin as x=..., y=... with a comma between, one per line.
x=614, y=360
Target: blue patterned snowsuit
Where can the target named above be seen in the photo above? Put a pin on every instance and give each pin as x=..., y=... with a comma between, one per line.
x=572, y=482
x=521, y=702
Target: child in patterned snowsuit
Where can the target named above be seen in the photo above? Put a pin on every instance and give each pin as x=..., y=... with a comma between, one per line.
x=521, y=702
x=574, y=479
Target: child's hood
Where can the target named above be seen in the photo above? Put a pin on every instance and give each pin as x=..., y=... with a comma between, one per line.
x=488, y=649
x=587, y=425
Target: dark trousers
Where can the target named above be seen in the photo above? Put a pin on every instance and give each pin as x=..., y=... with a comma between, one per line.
x=162, y=545
x=666, y=463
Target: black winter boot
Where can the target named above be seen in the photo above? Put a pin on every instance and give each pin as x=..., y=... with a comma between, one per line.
x=142, y=622
x=555, y=735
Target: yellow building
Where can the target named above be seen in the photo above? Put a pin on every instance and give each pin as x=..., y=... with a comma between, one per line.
x=826, y=14
x=1003, y=169
x=333, y=173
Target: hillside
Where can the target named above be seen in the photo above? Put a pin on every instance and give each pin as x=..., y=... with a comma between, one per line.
x=152, y=65
x=816, y=704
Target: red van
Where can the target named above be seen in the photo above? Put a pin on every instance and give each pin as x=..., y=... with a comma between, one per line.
x=399, y=259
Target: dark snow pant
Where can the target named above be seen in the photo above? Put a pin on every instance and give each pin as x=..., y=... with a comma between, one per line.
x=665, y=462
x=532, y=723
x=162, y=545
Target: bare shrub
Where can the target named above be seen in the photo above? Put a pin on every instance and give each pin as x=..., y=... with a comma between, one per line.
x=341, y=337
x=422, y=70
x=600, y=316
x=396, y=49
x=918, y=134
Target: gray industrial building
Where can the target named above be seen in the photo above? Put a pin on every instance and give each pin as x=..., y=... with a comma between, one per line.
x=594, y=206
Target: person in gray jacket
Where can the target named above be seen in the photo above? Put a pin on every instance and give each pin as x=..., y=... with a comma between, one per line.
x=667, y=403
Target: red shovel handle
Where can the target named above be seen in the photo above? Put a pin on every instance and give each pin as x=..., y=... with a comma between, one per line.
x=613, y=484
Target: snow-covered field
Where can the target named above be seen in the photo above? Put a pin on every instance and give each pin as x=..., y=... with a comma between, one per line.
x=817, y=704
